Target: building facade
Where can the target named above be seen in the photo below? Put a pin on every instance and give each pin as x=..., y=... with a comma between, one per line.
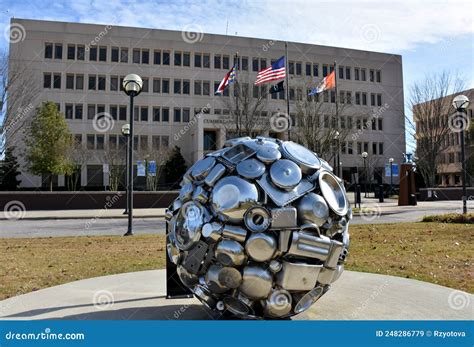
x=81, y=67
x=448, y=160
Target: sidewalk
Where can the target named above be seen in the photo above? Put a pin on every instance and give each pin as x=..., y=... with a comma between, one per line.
x=87, y=214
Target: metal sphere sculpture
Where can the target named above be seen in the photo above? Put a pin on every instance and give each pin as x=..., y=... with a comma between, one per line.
x=260, y=228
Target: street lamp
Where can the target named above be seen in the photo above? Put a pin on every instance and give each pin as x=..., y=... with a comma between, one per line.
x=126, y=133
x=364, y=156
x=460, y=103
x=391, y=176
x=132, y=85
x=336, y=156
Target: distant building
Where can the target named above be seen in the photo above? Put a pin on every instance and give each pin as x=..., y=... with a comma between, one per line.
x=448, y=172
x=81, y=66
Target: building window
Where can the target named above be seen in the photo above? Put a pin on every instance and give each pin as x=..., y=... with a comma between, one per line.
x=291, y=68
x=123, y=113
x=380, y=124
x=48, y=51
x=177, y=115
x=80, y=82
x=47, y=80
x=114, y=57
x=308, y=69
x=165, y=141
x=156, y=114
x=197, y=87
x=374, y=148
x=124, y=55
x=101, y=83
x=197, y=60
x=145, y=56
x=156, y=85
x=157, y=57
x=379, y=99
x=378, y=77
x=381, y=148
x=356, y=73
x=81, y=52
x=136, y=56
x=90, y=141
x=166, y=58
x=364, y=99
x=71, y=52
x=298, y=69
x=206, y=61
x=69, y=81
x=372, y=75
x=58, y=51
x=325, y=70
x=186, y=115
x=92, y=82
x=113, y=109
x=206, y=88
x=225, y=62
x=113, y=83
x=90, y=111
x=165, y=114
x=348, y=73
x=69, y=111
x=165, y=86
x=341, y=72
x=177, y=87
x=92, y=53
x=145, y=87
x=350, y=148
x=217, y=61
x=144, y=114
x=78, y=111
x=186, y=87
x=100, y=141
x=315, y=70
x=255, y=64
x=245, y=63
x=372, y=99
x=102, y=53
x=57, y=81
x=177, y=58
x=210, y=140
x=363, y=74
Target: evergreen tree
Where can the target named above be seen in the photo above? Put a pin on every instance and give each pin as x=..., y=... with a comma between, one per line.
x=9, y=171
x=48, y=143
x=175, y=166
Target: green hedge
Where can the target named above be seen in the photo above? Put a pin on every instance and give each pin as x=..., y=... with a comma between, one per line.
x=451, y=218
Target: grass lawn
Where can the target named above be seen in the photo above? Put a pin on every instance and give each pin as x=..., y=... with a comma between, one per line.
x=435, y=252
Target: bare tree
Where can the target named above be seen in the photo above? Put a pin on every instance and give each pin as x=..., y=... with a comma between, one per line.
x=115, y=158
x=78, y=155
x=160, y=157
x=430, y=101
x=246, y=107
x=318, y=125
x=18, y=93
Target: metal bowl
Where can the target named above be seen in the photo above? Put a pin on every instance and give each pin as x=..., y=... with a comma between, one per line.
x=334, y=193
x=312, y=208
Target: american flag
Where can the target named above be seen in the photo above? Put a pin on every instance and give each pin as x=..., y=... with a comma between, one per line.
x=274, y=72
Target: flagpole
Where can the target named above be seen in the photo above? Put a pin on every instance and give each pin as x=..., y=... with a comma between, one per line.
x=336, y=159
x=287, y=90
x=237, y=92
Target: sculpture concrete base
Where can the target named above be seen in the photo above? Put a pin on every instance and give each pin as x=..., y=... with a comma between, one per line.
x=141, y=295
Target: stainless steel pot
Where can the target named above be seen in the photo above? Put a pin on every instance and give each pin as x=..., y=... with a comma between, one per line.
x=307, y=160
x=230, y=253
x=256, y=282
x=257, y=219
x=202, y=168
x=232, y=197
x=212, y=279
x=312, y=208
x=306, y=245
x=261, y=246
x=298, y=276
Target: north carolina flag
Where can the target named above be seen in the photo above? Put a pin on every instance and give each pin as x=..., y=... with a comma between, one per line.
x=328, y=82
x=229, y=78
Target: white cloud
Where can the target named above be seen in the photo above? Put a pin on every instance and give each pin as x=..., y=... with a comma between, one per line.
x=391, y=26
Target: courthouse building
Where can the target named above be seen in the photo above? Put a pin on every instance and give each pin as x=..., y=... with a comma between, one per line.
x=81, y=66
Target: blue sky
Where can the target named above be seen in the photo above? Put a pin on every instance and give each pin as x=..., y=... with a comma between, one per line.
x=431, y=36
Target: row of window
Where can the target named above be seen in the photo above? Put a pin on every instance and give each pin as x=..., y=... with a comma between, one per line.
x=119, y=142
x=357, y=148
x=202, y=88
x=199, y=60
x=450, y=158
x=183, y=115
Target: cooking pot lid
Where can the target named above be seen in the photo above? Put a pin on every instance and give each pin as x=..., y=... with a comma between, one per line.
x=250, y=168
x=285, y=174
x=268, y=154
x=202, y=167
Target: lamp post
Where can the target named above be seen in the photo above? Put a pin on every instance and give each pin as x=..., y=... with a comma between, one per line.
x=336, y=155
x=132, y=85
x=391, y=176
x=364, y=156
x=460, y=103
x=126, y=133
